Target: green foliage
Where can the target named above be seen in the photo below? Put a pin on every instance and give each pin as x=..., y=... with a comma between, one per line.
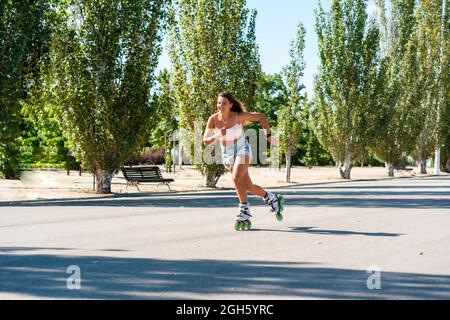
x=212, y=49
x=291, y=115
x=24, y=35
x=446, y=127
x=400, y=123
x=165, y=118
x=168, y=160
x=309, y=150
x=42, y=139
x=445, y=87
x=103, y=56
x=432, y=79
x=270, y=95
x=348, y=87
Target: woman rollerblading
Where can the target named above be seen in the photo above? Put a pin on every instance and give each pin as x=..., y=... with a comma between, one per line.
x=227, y=126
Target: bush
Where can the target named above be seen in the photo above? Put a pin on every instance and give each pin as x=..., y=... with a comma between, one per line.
x=150, y=157
x=168, y=161
x=42, y=166
x=372, y=161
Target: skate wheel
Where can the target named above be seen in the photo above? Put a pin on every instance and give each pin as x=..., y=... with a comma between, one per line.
x=281, y=198
x=249, y=225
x=237, y=226
x=242, y=226
x=281, y=208
x=279, y=217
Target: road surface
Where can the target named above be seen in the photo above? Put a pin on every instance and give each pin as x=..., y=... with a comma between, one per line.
x=387, y=239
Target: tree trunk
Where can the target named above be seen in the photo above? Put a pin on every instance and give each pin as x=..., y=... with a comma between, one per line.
x=447, y=165
x=104, y=179
x=288, y=168
x=423, y=166
x=180, y=156
x=390, y=169
x=213, y=173
x=211, y=181
x=346, y=167
x=437, y=161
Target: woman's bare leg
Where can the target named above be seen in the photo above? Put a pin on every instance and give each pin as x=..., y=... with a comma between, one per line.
x=253, y=188
x=243, y=182
x=240, y=169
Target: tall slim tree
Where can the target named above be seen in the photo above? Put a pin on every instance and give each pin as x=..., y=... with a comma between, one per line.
x=212, y=48
x=432, y=78
x=400, y=121
x=104, y=54
x=445, y=160
x=291, y=115
x=348, y=85
x=445, y=87
x=165, y=117
x=24, y=35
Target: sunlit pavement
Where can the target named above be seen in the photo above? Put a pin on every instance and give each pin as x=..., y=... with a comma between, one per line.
x=384, y=239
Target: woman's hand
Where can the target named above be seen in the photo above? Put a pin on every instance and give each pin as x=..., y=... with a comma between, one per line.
x=211, y=139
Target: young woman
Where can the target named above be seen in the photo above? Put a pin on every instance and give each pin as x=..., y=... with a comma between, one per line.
x=227, y=126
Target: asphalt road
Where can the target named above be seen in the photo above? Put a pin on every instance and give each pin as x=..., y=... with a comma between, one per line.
x=386, y=239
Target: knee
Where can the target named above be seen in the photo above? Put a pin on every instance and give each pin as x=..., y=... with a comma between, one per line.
x=237, y=179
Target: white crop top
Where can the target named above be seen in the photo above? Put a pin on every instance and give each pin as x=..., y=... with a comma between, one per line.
x=232, y=133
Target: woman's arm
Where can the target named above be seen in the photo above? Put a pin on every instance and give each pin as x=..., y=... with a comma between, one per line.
x=262, y=119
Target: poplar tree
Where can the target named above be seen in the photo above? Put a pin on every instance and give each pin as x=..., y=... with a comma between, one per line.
x=401, y=120
x=212, y=48
x=348, y=85
x=103, y=58
x=291, y=115
x=432, y=79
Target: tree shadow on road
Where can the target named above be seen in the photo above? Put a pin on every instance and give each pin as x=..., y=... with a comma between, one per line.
x=314, y=230
x=351, y=196
x=45, y=276
x=334, y=199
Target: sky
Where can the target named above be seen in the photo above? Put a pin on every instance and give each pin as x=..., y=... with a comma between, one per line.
x=276, y=26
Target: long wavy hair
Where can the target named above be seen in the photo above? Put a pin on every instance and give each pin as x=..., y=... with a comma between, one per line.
x=238, y=106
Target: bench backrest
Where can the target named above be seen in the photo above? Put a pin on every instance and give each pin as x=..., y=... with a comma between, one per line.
x=133, y=173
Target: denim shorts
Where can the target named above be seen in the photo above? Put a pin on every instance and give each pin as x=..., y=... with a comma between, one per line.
x=240, y=147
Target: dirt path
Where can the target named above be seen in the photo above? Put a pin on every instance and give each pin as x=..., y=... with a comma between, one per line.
x=56, y=184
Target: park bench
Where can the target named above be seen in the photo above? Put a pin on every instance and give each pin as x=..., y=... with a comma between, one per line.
x=144, y=174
